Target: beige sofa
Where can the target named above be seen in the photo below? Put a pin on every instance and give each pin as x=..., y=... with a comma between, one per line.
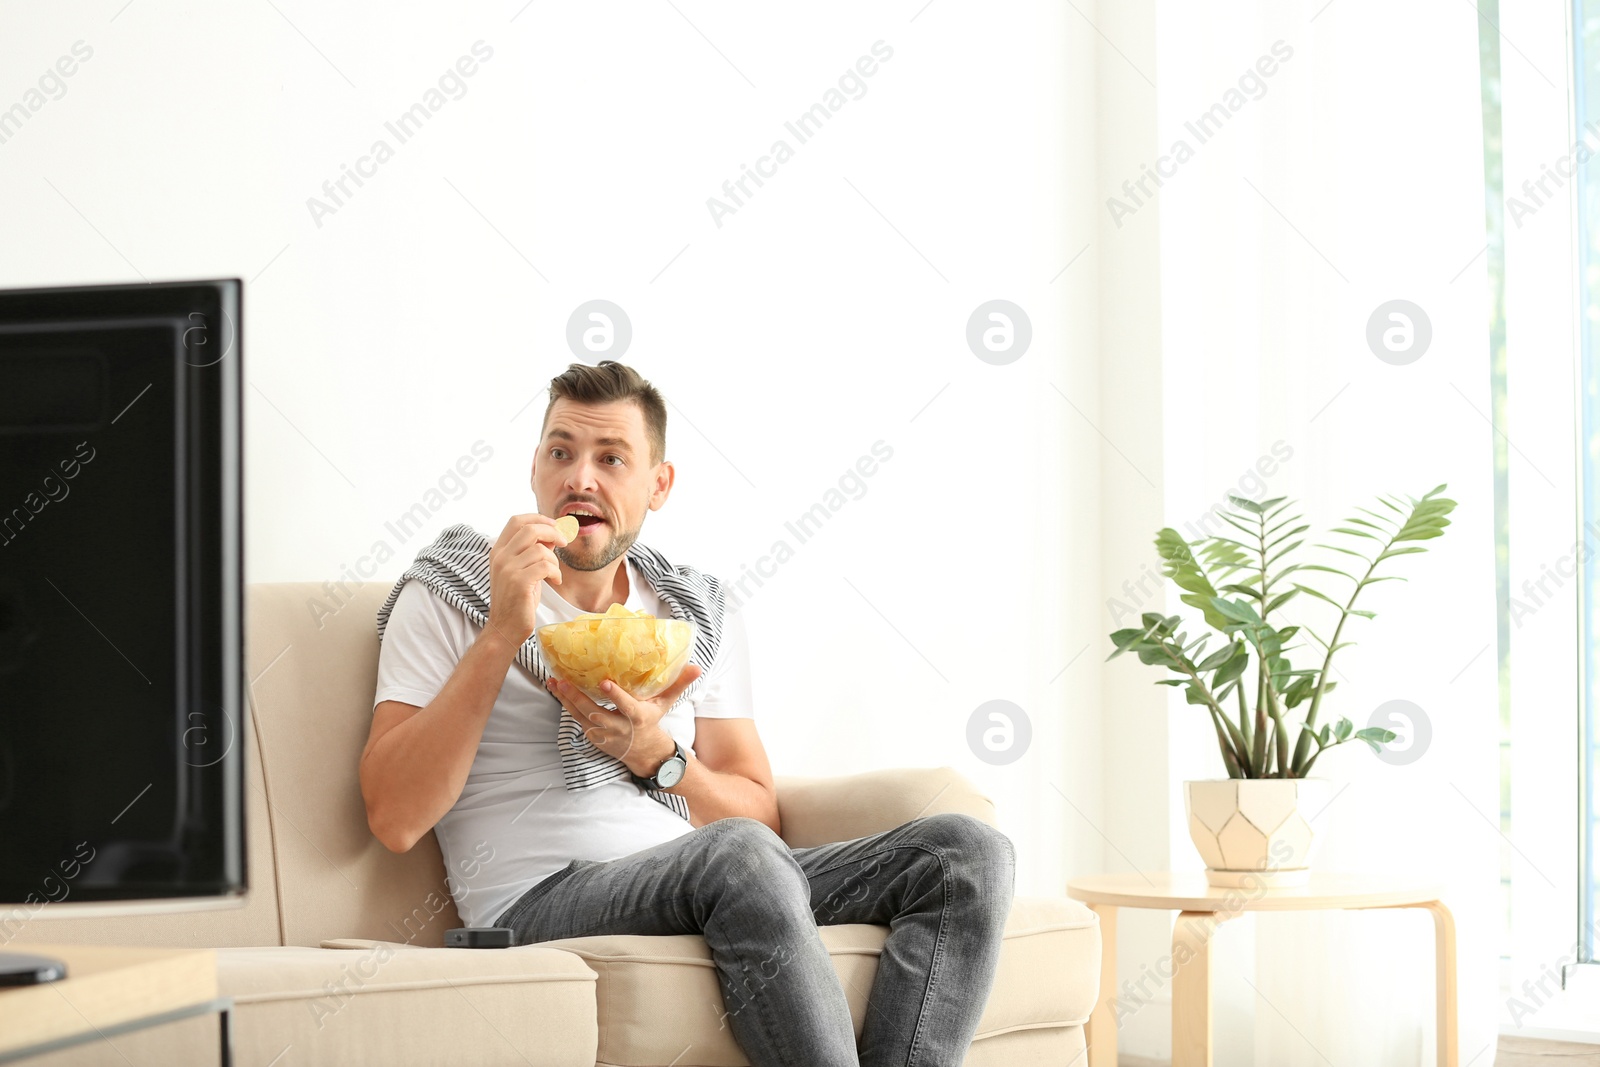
x=335, y=958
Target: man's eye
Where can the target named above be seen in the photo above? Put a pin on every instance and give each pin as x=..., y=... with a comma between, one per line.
x=617, y=458
x=557, y=453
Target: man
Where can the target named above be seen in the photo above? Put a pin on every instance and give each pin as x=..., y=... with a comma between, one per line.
x=559, y=817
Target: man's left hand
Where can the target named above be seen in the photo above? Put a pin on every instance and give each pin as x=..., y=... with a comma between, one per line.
x=632, y=731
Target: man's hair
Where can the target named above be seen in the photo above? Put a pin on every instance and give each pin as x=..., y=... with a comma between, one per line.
x=610, y=381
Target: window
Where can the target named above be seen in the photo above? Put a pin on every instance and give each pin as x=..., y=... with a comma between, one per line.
x=1586, y=93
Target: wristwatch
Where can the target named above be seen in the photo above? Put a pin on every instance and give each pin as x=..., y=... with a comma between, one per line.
x=670, y=773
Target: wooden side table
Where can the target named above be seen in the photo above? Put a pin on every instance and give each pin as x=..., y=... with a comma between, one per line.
x=110, y=991
x=1202, y=907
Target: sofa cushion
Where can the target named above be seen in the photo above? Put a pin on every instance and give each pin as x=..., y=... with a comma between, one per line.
x=659, y=1001
x=385, y=1003
x=394, y=1004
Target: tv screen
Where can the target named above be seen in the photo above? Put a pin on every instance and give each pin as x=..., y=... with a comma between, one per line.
x=122, y=690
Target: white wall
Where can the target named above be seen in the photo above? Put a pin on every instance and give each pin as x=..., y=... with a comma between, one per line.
x=828, y=313
x=1350, y=176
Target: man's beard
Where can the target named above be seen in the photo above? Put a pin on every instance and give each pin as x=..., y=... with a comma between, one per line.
x=616, y=546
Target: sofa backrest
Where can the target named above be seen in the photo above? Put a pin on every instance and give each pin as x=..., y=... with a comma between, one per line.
x=316, y=872
x=313, y=651
x=315, y=869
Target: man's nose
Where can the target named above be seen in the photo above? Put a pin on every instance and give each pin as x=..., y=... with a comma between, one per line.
x=581, y=476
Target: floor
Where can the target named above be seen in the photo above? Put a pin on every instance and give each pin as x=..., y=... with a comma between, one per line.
x=1513, y=1052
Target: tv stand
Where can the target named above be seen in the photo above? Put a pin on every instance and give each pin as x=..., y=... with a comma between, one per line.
x=109, y=991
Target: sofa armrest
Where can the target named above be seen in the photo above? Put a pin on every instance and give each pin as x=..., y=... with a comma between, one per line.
x=818, y=811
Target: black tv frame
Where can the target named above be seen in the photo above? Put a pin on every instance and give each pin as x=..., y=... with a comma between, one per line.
x=211, y=670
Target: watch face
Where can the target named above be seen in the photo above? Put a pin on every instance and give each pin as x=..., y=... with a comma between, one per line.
x=671, y=772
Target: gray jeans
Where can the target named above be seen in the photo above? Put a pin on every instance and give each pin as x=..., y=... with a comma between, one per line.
x=942, y=883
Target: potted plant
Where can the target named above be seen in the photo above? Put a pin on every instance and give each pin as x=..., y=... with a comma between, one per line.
x=1255, y=824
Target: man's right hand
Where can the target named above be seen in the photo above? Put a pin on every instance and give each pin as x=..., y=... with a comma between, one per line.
x=520, y=562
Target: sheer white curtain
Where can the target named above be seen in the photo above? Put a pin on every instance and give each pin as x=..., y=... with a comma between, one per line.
x=1321, y=161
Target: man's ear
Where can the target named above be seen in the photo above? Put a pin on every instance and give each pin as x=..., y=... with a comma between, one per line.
x=663, y=485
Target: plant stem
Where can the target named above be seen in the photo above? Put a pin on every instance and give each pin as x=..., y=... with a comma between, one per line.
x=1301, y=748
x=1229, y=761
x=1261, y=659
x=1281, y=735
x=1258, y=758
x=1244, y=724
x=1230, y=758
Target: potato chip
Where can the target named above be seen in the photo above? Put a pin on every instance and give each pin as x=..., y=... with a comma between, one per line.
x=641, y=653
x=568, y=525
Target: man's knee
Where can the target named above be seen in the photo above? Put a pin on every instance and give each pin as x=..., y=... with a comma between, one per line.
x=975, y=843
x=744, y=831
x=749, y=848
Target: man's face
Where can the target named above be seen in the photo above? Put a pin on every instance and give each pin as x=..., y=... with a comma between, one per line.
x=594, y=462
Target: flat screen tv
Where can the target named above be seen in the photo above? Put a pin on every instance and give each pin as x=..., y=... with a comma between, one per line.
x=122, y=688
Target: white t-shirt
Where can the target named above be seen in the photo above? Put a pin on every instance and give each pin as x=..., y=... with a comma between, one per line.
x=515, y=822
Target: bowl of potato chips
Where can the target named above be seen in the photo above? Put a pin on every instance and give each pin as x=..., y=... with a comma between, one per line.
x=642, y=654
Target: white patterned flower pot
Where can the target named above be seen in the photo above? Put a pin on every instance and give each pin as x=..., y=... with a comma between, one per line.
x=1255, y=831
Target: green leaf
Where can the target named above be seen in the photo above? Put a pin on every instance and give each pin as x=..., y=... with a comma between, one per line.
x=1342, y=729
x=1298, y=692
x=1376, y=737
x=1246, y=504
x=1388, y=522
x=1328, y=570
x=1243, y=528
x=1126, y=640
x=1282, y=574
x=1236, y=610
x=1306, y=589
x=1156, y=656
x=1233, y=668
x=1239, y=547
x=1275, y=557
x=1281, y=599
x=1179, y=564
x=1297, y=530
x=1348, y=552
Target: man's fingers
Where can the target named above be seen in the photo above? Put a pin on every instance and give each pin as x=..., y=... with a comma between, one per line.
x=518, y=522
x=532, y=527
x=532, y=534
x=670, y=695
x=521, y=557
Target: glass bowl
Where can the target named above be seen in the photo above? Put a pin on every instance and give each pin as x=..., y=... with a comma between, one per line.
x=642, y=654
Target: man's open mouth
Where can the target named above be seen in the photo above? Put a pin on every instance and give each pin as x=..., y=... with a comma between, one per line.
x=588, y=517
